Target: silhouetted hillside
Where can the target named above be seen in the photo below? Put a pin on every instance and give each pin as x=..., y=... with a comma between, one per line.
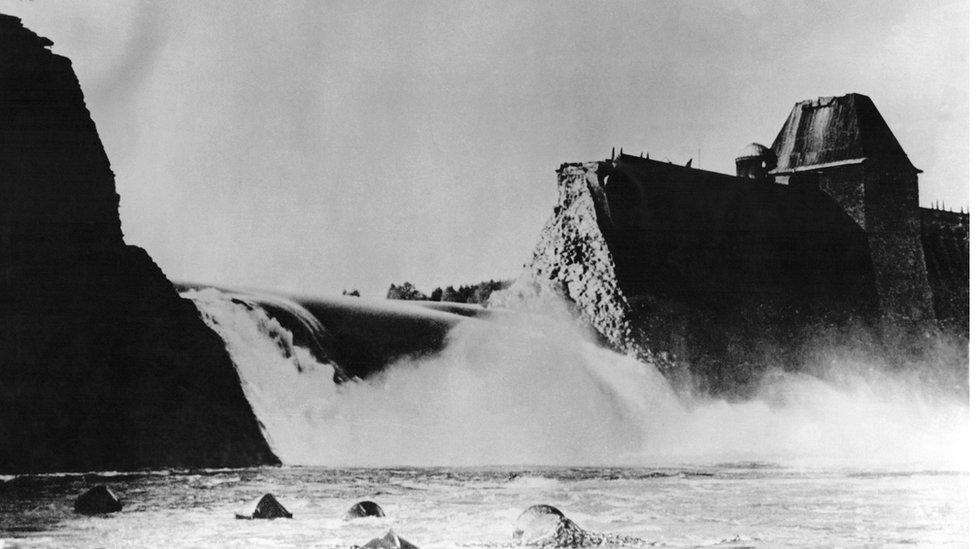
x=102, y=365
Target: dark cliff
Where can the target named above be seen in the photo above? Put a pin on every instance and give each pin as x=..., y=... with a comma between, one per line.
x=102, y=365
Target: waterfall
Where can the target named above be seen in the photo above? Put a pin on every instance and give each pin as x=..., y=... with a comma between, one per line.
x=517, y=390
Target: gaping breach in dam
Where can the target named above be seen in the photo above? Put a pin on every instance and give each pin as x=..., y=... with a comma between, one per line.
x=535, y=389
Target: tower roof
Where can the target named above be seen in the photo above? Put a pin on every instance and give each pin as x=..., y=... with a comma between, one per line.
x=835, y=130
x=753, y=150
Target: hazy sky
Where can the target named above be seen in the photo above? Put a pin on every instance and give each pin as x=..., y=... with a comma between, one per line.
x=326, y=145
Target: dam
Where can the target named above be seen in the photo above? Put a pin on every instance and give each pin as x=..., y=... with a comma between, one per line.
x=822, y=228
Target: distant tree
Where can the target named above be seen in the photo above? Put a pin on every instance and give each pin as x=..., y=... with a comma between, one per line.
x=467, y=294
x=482, y=292
x=474, y=293
x=405, y=291
x=353, y=293
x=450, y=294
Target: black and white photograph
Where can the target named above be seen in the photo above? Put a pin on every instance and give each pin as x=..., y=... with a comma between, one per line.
x=485, y=274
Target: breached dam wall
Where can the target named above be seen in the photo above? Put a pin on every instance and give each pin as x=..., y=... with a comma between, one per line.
x=572, y=256
x=701, y=269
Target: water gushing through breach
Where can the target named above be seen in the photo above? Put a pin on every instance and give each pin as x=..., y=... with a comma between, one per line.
x=520, y=390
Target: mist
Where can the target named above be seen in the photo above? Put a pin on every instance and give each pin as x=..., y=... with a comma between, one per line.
x=521, y=390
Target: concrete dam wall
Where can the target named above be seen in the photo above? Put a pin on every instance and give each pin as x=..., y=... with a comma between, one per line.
x=684, y=266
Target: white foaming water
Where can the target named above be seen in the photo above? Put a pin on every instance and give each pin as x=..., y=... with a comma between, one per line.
x=527, y=391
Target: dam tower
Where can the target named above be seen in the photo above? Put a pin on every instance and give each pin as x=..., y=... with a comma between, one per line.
x=843, y=147
x=755, y=162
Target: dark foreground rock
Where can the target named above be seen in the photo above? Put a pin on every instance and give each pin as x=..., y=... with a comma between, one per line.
x=98, y=500
x=365, y=509
x=389, y=541
x=102, y=365
x=265, y=507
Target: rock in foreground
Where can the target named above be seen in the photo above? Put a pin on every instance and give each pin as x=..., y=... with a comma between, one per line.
x=265, y=507
x=544, y=524
x=99, y=500
x=365, y=509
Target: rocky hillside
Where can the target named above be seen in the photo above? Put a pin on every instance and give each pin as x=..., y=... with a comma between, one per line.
x=102, y=365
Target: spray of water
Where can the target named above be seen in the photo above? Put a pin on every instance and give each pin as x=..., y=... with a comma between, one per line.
x=526, y=391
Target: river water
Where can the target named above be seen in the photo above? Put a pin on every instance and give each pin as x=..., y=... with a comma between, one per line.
x=454, y=445
x=725, y=505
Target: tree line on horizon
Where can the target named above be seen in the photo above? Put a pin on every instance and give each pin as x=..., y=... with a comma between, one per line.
x=474, y=293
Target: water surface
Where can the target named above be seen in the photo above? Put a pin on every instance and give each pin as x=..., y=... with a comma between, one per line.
x=727, y=505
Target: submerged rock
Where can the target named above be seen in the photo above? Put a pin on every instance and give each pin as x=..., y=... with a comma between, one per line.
x=389, y=541
x=265, y=507
x=546, y=526
x=365, y=509
x=97, y=501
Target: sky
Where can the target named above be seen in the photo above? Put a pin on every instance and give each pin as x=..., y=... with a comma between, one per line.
x=312, y=147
